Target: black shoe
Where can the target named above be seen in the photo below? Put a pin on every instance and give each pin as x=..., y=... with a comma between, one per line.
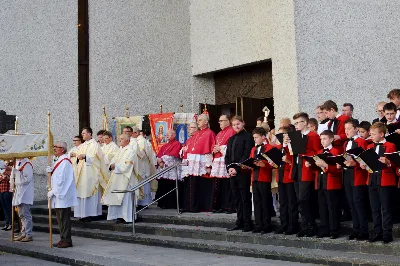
x=280, y=230
x=301, y=233
x=183, y=210
x=268, y=229
x=352, y=236
x=235, y=228
x=228, y=212
x=334, y=235
x=214, y=211
x=289, y=232
x=258, y=230
x=345, y=218
x=5, y=227
x=374, y=238
x=362, y=237
x=387, y=239
x=310, y=232
x=247, y=229
x=119, y=221
x=321, y=235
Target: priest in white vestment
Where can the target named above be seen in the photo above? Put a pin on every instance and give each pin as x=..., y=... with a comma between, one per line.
x=91, y=174
x=63, y=193
x=22, y=179
x=123, y=177
x=73, y=153
x=110, y=149
x=147, y=166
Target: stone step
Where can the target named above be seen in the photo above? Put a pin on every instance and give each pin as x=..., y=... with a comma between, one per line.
x=156, y=215
x=294, y=254
x=220, y=234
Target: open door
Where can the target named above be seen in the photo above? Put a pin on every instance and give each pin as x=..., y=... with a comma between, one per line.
x=250, y=109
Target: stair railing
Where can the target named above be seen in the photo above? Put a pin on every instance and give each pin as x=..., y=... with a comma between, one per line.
x=145, y=182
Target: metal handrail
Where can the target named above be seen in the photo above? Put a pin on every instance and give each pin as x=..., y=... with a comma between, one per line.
x=146, y=181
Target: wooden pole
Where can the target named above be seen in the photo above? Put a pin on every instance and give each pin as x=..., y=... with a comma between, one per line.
x=127, y=111
x=13, y=207
x=181, y=108
x=49, y=163
x=160, y=108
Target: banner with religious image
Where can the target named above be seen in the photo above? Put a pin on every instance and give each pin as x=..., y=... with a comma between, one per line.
x=160, y=124
x=181, y=125
x=119, y=123
x=25, y=145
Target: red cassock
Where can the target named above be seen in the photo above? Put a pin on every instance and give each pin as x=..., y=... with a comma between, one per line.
x=199, y=153
x=360, y=175
x=218, y=165
x=262, y=174
x=312, y=147
x=172, y=148
x=222, y=139
x=388, y=177
x=286, y=170
x=332, y=174
x=338, y=144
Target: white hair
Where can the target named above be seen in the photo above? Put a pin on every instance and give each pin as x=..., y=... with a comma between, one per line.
x=203, y=116
x=63, y=144
x=135, y=130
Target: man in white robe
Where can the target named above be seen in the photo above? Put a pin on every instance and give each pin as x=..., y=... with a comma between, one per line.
x=73, y=153
x=91, y=174
x=123, y=177
x=147, y=166
x=63, y=193
x=109, y=149
x=22, y=179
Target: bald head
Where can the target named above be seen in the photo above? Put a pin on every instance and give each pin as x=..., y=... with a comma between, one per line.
x=171, y=135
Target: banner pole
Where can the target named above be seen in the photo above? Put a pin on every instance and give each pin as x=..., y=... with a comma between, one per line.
x=13, y=188
x=49, y=179
x=181, y=108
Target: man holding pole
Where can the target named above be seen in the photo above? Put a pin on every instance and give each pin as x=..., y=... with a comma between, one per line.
x=63, y=193
x=22, y=182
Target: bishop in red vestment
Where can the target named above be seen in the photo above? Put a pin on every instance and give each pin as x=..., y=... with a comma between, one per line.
x=223, y=199
x=199, y=192
x=166, y=157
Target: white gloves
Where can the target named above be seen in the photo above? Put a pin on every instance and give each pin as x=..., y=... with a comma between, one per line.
x=49, y=169
x=50, y=194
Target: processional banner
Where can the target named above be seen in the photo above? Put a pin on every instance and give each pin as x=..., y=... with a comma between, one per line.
x=119, y=123
x=25, y=145
x=160, y=124
x=181, y=125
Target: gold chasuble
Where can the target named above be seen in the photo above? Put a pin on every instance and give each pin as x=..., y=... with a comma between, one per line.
x=92, y=171
x=123, y=175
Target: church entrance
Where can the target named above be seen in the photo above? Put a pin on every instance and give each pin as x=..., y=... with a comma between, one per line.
x=243, y=91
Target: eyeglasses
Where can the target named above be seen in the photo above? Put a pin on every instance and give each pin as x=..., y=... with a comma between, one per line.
x=380, y=111
x=220, y=121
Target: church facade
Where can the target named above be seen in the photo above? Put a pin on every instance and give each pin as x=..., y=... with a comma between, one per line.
x=73, y=59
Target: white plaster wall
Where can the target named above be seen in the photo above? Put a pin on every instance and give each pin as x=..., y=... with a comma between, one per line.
x=38, y=69
x=231, y=33
x=140, y=56
x=347, y=51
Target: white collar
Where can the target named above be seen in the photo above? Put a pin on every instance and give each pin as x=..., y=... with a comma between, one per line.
x=355, y=137
x=337, y=116
x=382, y=141
x=394, y=121
x=306, y=132
x=329, y=147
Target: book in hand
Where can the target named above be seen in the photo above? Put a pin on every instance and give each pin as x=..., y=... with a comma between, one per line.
x=393, y=127
x=313, y=159
x=354, y=152
x=248, y=163
x=297, y=143
x=279, y=136
x=394, y=138
x=394, y=158
x=273, y=156
x=371, y=159
x=338, y=159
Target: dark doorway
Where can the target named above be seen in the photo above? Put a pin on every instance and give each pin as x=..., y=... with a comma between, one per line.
x=83, y=63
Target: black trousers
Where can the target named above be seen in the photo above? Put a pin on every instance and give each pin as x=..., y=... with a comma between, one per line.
x=223, y=195
x=240, y=185
x=329, y=211
x=64, y=223
x=262, y=199
x=356, y=197
x=169, y=201
x=289, y=214
x=381, y=201
x=199, y=194
x=305, y=191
